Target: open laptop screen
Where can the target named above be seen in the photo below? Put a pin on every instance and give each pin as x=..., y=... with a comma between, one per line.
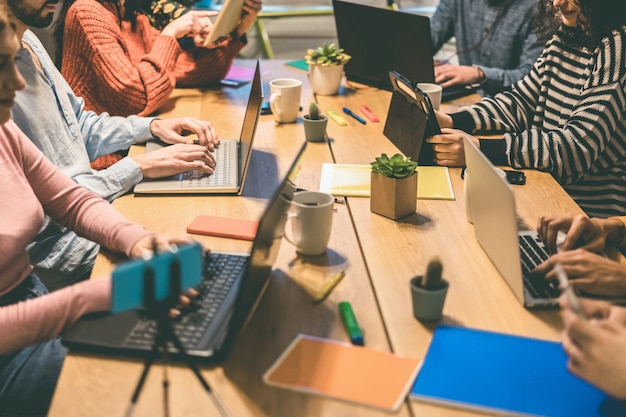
x=250, y=121
x=381, y=40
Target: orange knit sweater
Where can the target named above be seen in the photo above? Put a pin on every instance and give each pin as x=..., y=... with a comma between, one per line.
x=124, y=71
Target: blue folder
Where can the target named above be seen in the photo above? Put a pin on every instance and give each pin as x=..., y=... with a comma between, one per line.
x=511, y=375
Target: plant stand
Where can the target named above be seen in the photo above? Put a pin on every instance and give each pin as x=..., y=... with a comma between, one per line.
x=393, y=198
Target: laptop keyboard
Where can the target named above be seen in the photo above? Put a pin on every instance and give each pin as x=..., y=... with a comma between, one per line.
x=220, y=273
x=221, y=174
x=533, y=252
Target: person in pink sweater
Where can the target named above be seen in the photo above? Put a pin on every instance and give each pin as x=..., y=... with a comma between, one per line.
x=119, y=63
x=31, y=354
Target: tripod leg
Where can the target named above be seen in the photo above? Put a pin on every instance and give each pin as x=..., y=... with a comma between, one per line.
x=142, y=379
x=171, y=335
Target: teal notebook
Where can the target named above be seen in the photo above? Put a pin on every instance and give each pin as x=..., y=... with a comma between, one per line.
x=504, y=374
x=300, y=64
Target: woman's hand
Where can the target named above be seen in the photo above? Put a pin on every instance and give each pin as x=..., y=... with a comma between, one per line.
x=145, y=245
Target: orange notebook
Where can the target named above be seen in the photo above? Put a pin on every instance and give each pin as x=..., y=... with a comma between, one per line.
x=340, y=370
x=224, y=227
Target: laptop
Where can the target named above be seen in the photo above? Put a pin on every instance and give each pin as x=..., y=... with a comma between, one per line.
x=514, y=253
x=231, y=287
x=232, y=158
x=382, y=40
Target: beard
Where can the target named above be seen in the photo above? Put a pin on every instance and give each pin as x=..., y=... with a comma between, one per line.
x=489, y=2
x=31, y=17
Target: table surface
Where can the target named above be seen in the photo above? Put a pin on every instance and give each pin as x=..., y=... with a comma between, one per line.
x=379, y=256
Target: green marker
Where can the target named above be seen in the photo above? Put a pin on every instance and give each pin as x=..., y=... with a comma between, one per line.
x=349, y=321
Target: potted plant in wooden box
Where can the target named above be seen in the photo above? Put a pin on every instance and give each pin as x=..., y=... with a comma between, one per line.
x=393, y=191
x=326, y=68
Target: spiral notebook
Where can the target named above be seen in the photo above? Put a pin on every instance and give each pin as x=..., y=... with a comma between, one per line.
x=505, y=374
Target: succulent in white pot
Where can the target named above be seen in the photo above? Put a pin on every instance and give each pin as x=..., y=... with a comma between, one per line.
x=326, y=68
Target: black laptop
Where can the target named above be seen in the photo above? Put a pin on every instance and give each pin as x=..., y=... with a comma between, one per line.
x=232, y=285
x=381, y=40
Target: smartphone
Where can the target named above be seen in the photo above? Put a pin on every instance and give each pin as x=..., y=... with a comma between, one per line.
x=266, y=109
x=572, y=298
x=515, y=177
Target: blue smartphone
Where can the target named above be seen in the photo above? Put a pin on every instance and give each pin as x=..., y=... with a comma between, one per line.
x=127, y=290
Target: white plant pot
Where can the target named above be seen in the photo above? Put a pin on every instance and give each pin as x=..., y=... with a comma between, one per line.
x=325, y=80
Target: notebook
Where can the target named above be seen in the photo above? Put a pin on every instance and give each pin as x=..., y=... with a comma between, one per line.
x=400, y=42
x=227, y=20
x=353, y=180
x=232, y=156
x=343, y=371
x=497, y=373
x=492, y=204
x=208, y=331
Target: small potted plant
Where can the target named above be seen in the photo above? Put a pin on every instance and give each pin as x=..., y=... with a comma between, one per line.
x=393, y=191
x=326, y=68
x=314, y=124
x=429, y=292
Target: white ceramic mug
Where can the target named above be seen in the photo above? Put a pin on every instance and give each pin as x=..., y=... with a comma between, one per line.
x=434, y=93
x=285, y=99
x=311, y=217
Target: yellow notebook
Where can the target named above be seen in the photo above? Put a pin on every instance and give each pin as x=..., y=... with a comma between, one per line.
x=344, y=371
x=353, y=180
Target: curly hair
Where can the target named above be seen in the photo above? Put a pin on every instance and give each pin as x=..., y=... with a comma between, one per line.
x=597, y=18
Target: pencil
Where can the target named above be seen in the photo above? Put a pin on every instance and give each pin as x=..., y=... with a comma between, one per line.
x=328, y=287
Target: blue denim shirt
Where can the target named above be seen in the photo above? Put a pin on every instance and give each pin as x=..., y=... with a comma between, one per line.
x=55, y=119
x=506, y=54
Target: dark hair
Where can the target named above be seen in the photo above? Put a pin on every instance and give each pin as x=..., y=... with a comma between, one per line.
x=130, y=14
x=597, y=18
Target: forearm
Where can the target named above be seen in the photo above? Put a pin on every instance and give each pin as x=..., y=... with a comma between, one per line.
x=43, y=318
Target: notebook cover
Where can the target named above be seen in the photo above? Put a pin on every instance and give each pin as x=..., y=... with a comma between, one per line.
x=299, y=64
x=223, y=227
x=505, y=374
x=343, y=371
x=353, y=180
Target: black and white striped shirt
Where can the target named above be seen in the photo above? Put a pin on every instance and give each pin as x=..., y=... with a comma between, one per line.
x=567, y=117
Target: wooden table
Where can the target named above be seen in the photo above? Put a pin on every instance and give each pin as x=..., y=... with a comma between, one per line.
x=378, y=254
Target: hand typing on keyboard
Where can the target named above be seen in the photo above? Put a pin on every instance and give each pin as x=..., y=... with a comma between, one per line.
x=175, y=159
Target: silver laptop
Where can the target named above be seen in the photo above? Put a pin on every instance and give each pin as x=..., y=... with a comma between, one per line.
x=232, y=158
x=514, y=253
x=232, y=285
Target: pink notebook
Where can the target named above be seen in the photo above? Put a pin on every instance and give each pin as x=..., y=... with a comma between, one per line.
x=224, y=227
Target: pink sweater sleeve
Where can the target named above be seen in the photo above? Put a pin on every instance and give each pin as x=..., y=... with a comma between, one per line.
x=43, y=318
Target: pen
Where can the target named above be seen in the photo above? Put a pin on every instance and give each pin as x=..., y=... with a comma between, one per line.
x=328, y=287
x=369, y=114
x=356, y=116
x=349, y=321
x=336, y=118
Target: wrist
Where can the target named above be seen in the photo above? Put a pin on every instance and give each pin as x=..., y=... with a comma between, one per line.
x=615, y=230
x=481, y=77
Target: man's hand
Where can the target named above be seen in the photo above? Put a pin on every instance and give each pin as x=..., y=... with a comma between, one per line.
x=249, y=11
x=588, y=272
x=449, y=148
x=190, y=24
x=175, y=159
x=447, y=75
x=177, y=130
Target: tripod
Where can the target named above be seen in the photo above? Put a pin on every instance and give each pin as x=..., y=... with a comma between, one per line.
x=165, y=334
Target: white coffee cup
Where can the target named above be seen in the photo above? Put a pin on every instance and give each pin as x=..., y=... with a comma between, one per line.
x=466, y=196
x=311, y=217
x=434, y=93
x=285, y=99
